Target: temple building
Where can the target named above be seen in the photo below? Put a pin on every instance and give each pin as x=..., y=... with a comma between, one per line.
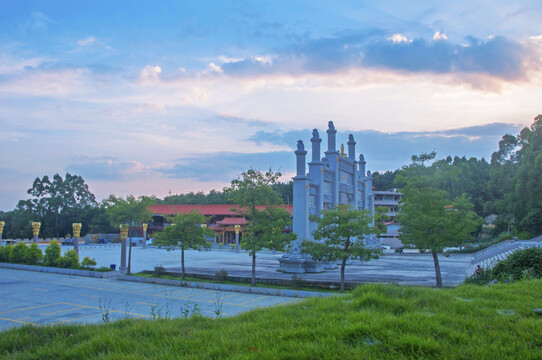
x=390, y=199
x=337, y=178
x=222, y=219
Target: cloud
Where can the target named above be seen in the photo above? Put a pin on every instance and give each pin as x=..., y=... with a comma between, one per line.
x=440, y=36
x=225, y=166
x=10, y=65
x=398, y=38
x=38, y=22
x=389, y=151
x=497, y=56
x=87, y=41
x=106, y=168
x=150, y=75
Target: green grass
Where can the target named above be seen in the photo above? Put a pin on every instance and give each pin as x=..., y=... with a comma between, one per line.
x=335, y=289
x=372, y=322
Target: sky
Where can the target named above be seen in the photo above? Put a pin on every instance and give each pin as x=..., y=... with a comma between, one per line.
x=148, y=97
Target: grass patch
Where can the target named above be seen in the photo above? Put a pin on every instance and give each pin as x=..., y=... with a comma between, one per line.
x=372, y=322
x=295, y=285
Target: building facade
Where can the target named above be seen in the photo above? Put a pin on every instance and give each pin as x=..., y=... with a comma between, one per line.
x=390, y=199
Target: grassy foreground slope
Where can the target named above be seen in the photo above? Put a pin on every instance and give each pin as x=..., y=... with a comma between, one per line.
x=373, y=322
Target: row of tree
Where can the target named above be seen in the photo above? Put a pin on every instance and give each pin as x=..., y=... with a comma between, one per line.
x=510, y=186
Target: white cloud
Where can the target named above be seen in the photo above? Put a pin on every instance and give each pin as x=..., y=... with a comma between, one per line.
x=86, y=41
x=399, y=38
x=213, y=68
x=537, y=39
x=10, y=65
x=150, y=75
x=440, y=36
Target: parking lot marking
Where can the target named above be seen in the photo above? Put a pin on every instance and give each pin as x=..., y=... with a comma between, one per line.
x=287, y=302
x=201, y=293
x=18, y=321
x=111, y=311
x=246, y=302
x=56, y=312
x=31, y=307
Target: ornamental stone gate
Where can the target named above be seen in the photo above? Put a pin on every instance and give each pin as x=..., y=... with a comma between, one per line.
x=336, y=178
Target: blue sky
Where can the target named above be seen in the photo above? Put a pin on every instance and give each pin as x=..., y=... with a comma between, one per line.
x=145, y=97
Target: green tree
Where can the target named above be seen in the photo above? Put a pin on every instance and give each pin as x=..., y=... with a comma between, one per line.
x=186, y=232
x=5, y=251
x=384, y=181
x=70, y=260
x=380, y=218
x=52, y=253
x=251, y=189
x=33, y=255
x=267, y=232
x=18, y=253
x=429, y=220
x=339, y=236
x=59, y=198
x=129, y=211
x=88, y=262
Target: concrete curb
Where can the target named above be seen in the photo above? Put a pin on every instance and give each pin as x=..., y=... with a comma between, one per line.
x=226, y=287
x=55, y=270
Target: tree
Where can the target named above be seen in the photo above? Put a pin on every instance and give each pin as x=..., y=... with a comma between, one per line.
x=52, y=253
x=185, y=231
x=251, y=189
x=384, y=181
x=429, y=220
x=380, y=218
x=267, y=232
x=130, y=211
x=59, y=198
x=33, y=255
x=339, y=236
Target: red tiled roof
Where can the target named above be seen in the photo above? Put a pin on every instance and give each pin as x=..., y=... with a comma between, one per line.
x=233, y=221
x=222, y=209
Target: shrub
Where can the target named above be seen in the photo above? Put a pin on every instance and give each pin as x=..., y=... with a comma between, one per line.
x=70, y=260
x=521, y=265
x=479, y=277
x=159, y=270
x=33, y=255
x=221, y=275
x=88, y=262
x=4, y=253
x=104, y=269
x=517, y=263
x=52, y=253
x=18, y=253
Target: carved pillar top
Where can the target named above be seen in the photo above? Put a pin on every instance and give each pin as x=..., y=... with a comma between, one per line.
x=351, y=147
x=331, y=137
x=315, y=140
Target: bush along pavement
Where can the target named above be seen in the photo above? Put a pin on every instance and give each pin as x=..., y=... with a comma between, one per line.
x=32, y=255
x=522, y=264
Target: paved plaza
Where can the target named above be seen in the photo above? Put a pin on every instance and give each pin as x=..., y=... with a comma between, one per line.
x=43, y=299
x=407, y=269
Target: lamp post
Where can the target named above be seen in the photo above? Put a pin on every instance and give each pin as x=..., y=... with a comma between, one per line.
x=145, y=235
x=35, y=231
x=237, y=228
x=76, y=236
x=1, y=228
x=123, y=236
